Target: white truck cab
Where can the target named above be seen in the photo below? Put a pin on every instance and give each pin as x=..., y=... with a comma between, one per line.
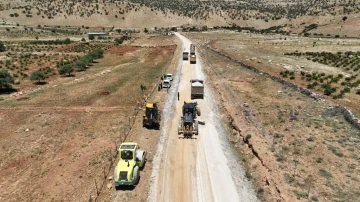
x=166, y=83
x=169, y=77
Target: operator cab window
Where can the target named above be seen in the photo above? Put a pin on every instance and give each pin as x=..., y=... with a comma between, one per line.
x=127, y=155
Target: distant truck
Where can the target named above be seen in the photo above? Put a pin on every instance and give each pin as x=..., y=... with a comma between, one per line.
x=192, y=49
x=197, y=88
x=185, y=55
x=193, y=59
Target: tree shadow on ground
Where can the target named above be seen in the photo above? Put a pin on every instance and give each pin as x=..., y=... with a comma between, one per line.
x=152, y=127
x=40, y=83
x=142, y=168
x=7, y=91
x=126, y=187
x=71, y=75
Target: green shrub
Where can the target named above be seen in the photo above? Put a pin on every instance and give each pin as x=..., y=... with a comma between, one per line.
x=38, y=75
x=288, y=178
x=66, y=69
x=319, y=160
x=5, y=79
x=314, y=198
x=325, y=173
x=2, y=47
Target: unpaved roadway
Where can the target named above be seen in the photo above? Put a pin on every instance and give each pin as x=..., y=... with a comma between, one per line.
x=199, y=169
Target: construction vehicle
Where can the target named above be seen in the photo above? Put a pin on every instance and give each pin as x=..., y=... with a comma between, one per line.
x=192, y=54
x=192, y=49
x=197, y=88
x=131, y=160
x=185, y=55
x=188, y=125
x=152, y=116
x=192, y=59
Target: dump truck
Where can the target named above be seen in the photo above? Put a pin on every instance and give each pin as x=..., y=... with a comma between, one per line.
x=185, y=55
x=192, y=49
x=152, y=116
x=197, y=88
x=188, y=125
x=193, y=59
x=131, y=160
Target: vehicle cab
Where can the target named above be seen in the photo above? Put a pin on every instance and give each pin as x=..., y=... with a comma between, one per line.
x=166, y=84
x=169, y=77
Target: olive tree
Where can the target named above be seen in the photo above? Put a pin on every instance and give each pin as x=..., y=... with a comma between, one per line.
x=2, y=47
x=38, y=75
x=5, y=79
x=66, y=70
x=81, y=64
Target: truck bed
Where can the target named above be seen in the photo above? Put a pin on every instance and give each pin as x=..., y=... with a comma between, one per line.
x=197, y=89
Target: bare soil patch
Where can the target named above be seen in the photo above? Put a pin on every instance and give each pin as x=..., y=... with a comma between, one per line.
x=121, y=50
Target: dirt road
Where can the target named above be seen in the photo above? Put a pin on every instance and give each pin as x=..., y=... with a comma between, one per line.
x=199, y=169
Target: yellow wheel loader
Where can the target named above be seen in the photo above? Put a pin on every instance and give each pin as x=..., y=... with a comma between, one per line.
x=152, y=116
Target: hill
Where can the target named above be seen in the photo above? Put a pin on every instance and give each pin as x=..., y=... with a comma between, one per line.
x=331, y=17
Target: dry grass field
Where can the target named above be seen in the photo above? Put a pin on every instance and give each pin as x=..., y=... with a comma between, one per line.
x=59, y=138
x=321, y=60
x=293, y=147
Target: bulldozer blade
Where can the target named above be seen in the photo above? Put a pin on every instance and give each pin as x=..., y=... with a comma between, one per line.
x=201, y=122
